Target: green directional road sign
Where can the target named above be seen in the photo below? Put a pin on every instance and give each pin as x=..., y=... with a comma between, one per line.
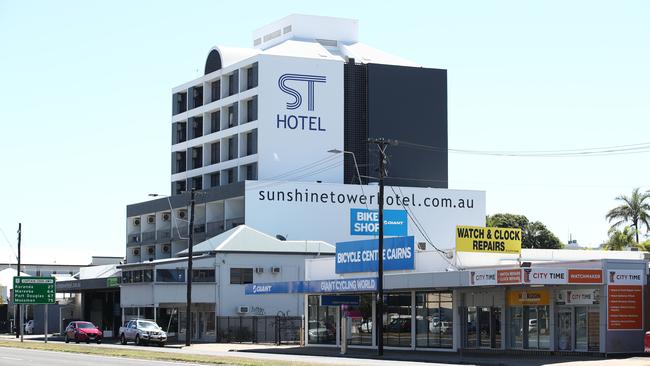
x=34, y=290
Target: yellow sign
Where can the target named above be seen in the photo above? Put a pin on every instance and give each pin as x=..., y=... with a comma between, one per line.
x=528, y=297
x=488, y=239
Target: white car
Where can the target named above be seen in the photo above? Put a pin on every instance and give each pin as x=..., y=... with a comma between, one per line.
x=29, y=327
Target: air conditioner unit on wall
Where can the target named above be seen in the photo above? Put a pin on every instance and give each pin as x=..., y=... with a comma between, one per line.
x=165, y=216
x=151, y=219
x=275, y=269
x=136, y=251
x=259, y=270
x=243, y=310
x=136, y=221
x=182, y=214
x=151, y=250
x=166, y=248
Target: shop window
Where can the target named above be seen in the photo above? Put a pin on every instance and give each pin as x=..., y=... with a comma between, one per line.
x=397, y=326
x=241, y=276
x=434, y=319
x=203, y=275
x=529, y=327
x=483, y=327
x=170, y=275
x=360, y=319
x=147, y=275
x=321, y=323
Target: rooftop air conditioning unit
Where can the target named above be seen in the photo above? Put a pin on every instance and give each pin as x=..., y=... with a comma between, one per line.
x=182, y=214
x=151, y=219
x=136, y=251
x=275, y=269
x=259, y=270
x=166, y=248
x=151, y=250
x=136, y=221
x=165, y=216
x=243, y=310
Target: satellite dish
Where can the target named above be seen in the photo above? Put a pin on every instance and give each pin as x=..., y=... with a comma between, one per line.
x=281, y=237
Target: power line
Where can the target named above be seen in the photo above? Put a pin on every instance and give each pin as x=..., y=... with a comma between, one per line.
x=590, y=151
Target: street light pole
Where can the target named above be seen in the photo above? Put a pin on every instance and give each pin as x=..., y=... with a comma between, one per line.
x=381, y=145
x=18, y=320
x=190, y=253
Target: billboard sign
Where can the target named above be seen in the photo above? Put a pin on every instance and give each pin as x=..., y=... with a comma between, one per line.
x=321, y=211
x=366, y=222
x=488, y=240
x=300, y=117
x=362, y=255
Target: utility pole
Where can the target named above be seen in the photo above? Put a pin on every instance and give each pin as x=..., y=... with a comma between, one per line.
x=381, y=146
x=18, y=320
x=190, y=253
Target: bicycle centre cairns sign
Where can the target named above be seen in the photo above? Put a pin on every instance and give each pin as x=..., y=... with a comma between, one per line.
x=34, y=290
x=488, y=239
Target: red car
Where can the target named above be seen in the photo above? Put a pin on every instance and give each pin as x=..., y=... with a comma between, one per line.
x=83, y=332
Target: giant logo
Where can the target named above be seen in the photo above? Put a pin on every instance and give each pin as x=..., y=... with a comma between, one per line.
x=300, y=122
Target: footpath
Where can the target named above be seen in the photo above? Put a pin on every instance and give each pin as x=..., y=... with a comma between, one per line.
x=358, y=357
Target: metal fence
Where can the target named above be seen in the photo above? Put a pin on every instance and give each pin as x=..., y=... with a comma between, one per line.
x=259, y=329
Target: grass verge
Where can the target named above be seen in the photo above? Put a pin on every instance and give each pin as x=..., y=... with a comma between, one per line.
x=146, y=355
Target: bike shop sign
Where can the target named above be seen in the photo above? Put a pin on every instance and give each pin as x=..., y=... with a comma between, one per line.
x=362, y=255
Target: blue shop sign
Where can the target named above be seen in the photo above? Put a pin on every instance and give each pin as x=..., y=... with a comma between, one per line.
x=366, y=222
x=362, y=255
x=313, y=287
x=336, y=300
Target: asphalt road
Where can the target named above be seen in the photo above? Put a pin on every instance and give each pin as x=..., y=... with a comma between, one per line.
x=27, y=357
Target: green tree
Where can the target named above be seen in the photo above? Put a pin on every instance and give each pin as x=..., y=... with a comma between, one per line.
x=634, y=210
x=535, y=234
x=620, y=239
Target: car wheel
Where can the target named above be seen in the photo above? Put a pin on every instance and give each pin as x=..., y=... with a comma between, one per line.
x=67, y=340
x=76, y=340
x=99, y=341
x=162, y=344
x=138, y=341
x=123, y=339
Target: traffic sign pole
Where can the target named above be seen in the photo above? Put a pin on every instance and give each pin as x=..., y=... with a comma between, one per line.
x=46, y=319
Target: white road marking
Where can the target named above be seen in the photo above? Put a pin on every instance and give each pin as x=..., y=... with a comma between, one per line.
x=11, y=358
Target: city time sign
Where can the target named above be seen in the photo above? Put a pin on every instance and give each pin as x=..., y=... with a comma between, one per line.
x=34, y=290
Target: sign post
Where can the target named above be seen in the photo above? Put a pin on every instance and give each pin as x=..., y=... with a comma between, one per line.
x=34, y=290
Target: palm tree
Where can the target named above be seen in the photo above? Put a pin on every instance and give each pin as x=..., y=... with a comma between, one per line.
x=634, y=210
x=619, y=240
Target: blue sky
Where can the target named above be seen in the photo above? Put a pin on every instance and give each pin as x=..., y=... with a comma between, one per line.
x=86, y=103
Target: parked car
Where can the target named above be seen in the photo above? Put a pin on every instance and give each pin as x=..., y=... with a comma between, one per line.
x=441, y=327
x=80, y=331
x=141, y=332
x=366, y=327
x=29, y=327
x=319, y=329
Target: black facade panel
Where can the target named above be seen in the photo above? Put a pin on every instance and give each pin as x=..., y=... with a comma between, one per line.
x=355, y=121
x=409, y=104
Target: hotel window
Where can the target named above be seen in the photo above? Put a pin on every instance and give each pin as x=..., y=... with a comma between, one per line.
x=216, y=90
x=215, y=121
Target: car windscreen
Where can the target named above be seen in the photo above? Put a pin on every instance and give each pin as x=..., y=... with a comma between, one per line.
x=86, y=325
x=148, y=326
